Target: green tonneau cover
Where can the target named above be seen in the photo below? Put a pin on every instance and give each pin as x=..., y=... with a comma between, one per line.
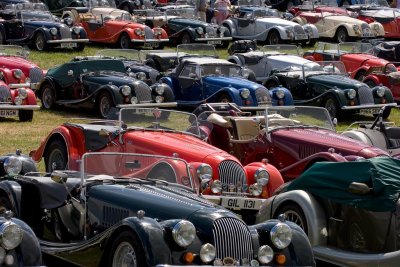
x=331, y=180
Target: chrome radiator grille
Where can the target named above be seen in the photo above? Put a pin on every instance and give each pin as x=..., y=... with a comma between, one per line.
x=231, y=173
x=35, y=74
x=365, y=95
x=65, y=32
x=232, y=239
x=5, y=95
x=112, y=216
x=262, y=95
x=148, y=33
x=142, y=92
x=298, y=29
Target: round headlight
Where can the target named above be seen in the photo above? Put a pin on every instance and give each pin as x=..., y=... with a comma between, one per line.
x=138, y=31
x=141, y=76
x=216, y=187
x=380, y=91
x=356, y=28
x=245, y=73
x=22, y=93
x=53, y=31
x=11, y=235
x=160, y=89
x=159, y=99
x=261, y=176
x=245, y=93
x=18, y=101
x=280, y=93
x=281, y=235
x=76, y=30
x=12, y=165
x=204, y=171
x=255, y=189
x=207, y=253
x=68, y=21
x=184, y=233
x=351, y=93
x=265, y=254
x=125, y=90
x=199, y=30
x=17, y=73
x=134, y=100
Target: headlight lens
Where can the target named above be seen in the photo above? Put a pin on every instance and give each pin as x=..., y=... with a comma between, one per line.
x=184, y=233
x=216, y=187
x=134, y=100
x=265, y=254
x=281, y=235
x=11, y=235
x=68, y=21
x=261, y=176
x=255, y=189
x=356, y=28
x=207, y=253
x=351, y=93
x=280, y=93
x=76, y=30
x=160, y=89
x=204, y=171
x=12, y=166
x=380, y=91
x=53, y=31
x=17, y=73
x=125, y=90
x=199, y=30
x=157, y=31
x=138, y=31
x=141, y=76
x=22, y=93
x=245, y=93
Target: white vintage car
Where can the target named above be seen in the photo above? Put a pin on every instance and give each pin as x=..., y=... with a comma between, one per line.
x=256, y=22
x=338, y=26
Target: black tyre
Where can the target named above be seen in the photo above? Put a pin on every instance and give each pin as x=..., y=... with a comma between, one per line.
x=274, y=38
x=164, y=173
x=186, y=38
x=79, y=47
x=48, y=96
x=40, y=42
x=56, y=157
x=224, y=98
x=341, y=35
x=104, y=104
x=294, y=214
x=25, y=115
x=125, y=41
x=332, y=105
x=126, y=250
x=360, y=76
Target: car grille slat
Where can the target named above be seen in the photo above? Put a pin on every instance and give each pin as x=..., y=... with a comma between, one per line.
x=298, y=29
x=65, y=32
x=5, y=94
x=148, y=33
x=365, y=95
x=35, y=74
x=228, y=231
x=231, y=173
x=113, y=215
x=142, y=92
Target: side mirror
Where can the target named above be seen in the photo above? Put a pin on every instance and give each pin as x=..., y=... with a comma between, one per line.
x=59, y=177
x=70, y=73
x=359, y=188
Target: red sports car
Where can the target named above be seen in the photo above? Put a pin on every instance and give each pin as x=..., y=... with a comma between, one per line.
x=223, y=179
x=386, y=75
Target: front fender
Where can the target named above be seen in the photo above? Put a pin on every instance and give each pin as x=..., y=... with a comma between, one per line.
x=113, y=91
x=388, y=95
x=282, y=32
x=12, y=190
x=47, y=79
x=313, y=212
x=275, y=177
x=232, y=92
x=287, y=100
x=377, y=29
x=313, y=29
x=42, y=30
x=29, y=247
x=372, y=78
x=228, y=23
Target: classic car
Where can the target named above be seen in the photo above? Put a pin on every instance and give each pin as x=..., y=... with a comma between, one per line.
x=292, y=138
x=225, y=180
x=32, y=23
x=385, y=135
x=133, y=63
x=59, y=6
x=388, y=50
x=338, y=211
x=17, y=69
x=97, y=83
x=207, y=79
x=117, y=213
x=17, y=101
x=4, y=3
x=105, y=23
x=327, y=84
x=254, y=21
x=338, y=26
x=183, y=26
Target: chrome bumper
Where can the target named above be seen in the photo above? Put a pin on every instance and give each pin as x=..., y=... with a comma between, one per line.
x=70, y=40
x=213, y=39
x=149, y=40
x=368, y=106
x=19, y=107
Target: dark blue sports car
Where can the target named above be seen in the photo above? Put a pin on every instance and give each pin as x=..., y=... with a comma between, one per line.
x=33, y=24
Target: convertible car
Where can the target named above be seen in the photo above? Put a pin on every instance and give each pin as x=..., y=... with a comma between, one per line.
x=32, y=23
x=105, y=23
x=117, y=213
x=167, y=132
x=254, y=21
x=388, y=50
x=59, y=6
x=99, y=84
x=291, y=138
x=338, y=211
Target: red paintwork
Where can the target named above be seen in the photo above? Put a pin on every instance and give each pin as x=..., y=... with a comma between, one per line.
x=187, y=147
x=293, y=150
x=379, y=77
x=392, y=28
x=15, y=62
x=330, y=9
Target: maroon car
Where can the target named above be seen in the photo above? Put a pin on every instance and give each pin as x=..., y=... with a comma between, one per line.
x=292, y=137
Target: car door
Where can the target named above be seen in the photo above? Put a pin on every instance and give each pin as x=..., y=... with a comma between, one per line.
x=246, y=24
x=190, y=84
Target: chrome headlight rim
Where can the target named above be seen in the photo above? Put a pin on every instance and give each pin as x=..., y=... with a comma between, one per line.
x=205, y=171
x=200, y=30
x=17, y=73
x=53, y=31
x=245, y=93
x=23, y=93
x=207, y=253
x=160, y=89
x=216, y=187
x=351, y=94
x=262, y=176
x=265, y=254
x=276, y=233
x=280, y=93
x=141, y=76
x=12, y=166
x=76, y=30
x=18, y=101
x=380, y=91
x=255, y=189
x=125, y=90
x=184, y=233
x=68, y=21
x=10, y=229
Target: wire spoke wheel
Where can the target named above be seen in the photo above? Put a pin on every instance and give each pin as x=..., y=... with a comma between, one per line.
x=125, y=256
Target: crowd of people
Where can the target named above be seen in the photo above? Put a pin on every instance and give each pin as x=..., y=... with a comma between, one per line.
x=215, y=11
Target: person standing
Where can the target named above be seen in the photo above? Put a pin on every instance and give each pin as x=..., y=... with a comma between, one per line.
x=223, y=8
x=201, y=7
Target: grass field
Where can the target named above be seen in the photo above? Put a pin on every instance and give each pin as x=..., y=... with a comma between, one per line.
x=28, y=135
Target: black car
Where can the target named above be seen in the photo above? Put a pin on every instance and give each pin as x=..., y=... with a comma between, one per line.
x=59, y=6
x=131, y=5
x=283, y=5
x=33, y=24
x=102, y=84
x=114, y=213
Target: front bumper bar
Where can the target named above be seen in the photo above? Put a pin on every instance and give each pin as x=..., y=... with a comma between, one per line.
x=19, y=107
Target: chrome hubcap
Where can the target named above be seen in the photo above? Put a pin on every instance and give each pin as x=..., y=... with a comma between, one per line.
x=124, y=256
x=293, y=216
x=104, y=106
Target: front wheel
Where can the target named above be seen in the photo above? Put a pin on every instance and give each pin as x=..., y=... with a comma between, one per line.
x=360, y=76
x=126, y=251
x=40, y=42
x=125, y=41
x=56, y=157
x=342, y=35
x=48, y=96
x=332, y=106
x=186, y=39
x=25, y=115
x=274, y=38
x=294, y=214
x=104, y=104
x=224, y=98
